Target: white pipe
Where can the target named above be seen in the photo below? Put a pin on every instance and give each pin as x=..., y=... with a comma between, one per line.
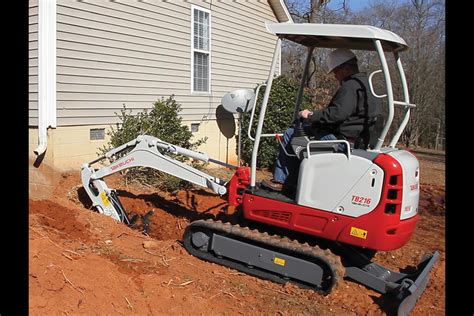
x=388, y=83
x=46, y=71
x=261, y=117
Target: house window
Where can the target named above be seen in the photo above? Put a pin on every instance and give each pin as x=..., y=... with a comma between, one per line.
x=194, y=127
x=97, y=133
x=201, y=49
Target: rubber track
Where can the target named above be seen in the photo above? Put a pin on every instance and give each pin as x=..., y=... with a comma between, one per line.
x=331, y=264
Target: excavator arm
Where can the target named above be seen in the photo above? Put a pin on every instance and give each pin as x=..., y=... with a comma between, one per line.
x=143, y=151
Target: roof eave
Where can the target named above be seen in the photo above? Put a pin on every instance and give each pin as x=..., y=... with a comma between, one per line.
x=281, y=11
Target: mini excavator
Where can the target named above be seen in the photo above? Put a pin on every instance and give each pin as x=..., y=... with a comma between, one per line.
x=346, y=206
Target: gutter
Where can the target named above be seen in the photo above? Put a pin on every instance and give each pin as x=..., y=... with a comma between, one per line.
x=46, y=72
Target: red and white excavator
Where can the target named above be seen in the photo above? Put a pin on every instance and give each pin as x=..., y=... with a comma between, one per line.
x=346, y=206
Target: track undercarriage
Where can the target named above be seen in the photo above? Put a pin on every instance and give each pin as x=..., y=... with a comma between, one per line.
x=281, y=259
x=276, y=258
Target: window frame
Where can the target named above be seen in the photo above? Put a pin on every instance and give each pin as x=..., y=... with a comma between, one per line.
x=193, y=50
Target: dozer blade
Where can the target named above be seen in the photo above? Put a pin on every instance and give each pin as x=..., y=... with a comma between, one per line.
x=414, y=291
x=405, y=288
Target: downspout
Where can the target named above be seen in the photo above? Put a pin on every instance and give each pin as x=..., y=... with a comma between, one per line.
x=46, y=71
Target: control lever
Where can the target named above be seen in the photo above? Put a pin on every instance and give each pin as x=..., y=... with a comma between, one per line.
x=298, y=127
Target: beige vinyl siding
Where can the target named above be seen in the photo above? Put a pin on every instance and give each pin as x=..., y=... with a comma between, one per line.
x=133, y=53
x=33, y=62
x=242, y=47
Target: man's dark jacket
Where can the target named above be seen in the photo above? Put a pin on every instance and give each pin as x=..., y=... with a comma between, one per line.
x=352, y=108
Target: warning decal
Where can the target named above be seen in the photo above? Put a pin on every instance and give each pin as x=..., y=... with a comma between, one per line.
x=359, y=233
x=279, y=261
x=104, y=198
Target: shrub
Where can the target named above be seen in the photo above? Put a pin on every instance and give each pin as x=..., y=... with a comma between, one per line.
x=278, y=117
x=162, y=121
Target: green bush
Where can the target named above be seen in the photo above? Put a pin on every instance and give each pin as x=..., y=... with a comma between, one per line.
x=278, y=117
x=162, y=121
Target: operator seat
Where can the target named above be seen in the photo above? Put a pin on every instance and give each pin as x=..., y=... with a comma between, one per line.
x=367, y=139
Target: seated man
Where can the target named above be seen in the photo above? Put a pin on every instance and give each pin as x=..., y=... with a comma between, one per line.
x=351, y=112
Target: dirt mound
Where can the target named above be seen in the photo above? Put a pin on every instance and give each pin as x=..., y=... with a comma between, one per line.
x=433, y=200
x=83, y=262
x=51, y=216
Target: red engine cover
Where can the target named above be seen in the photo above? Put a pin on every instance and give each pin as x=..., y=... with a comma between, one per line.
x=380, y=229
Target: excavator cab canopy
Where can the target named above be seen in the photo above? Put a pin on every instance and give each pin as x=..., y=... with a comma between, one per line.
x=338, y=36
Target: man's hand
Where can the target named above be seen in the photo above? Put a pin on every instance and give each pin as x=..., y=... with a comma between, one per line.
x=305, y=113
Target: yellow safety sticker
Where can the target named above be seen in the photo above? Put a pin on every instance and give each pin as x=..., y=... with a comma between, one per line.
x=359, y=233
x=279, y=261
x=105, y=199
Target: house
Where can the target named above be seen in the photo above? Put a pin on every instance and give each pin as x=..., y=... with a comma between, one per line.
x=89, y=58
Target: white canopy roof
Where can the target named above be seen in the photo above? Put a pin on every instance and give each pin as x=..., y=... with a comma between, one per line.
x=337, y=35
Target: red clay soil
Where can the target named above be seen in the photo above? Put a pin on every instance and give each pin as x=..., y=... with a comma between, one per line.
x=81, y=262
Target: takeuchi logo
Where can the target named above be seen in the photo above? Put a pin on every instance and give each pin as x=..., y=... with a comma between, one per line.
x=123, y=163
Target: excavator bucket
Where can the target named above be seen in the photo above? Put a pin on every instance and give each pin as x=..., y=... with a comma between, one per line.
x=405, y=288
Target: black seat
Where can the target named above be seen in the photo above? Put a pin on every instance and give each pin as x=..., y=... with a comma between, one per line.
x=367, y=139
